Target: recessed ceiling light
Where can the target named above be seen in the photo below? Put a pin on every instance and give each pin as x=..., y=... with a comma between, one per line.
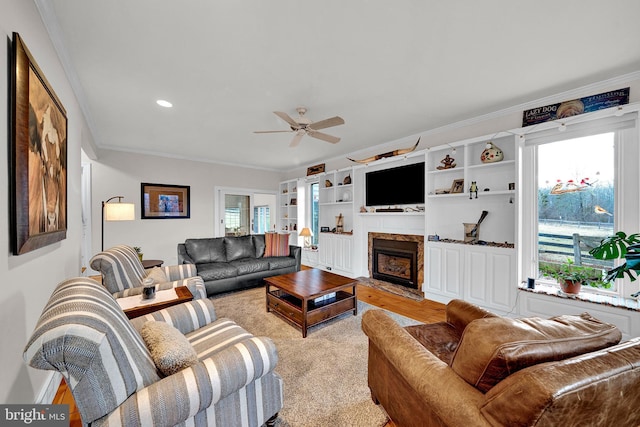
x=163, y=103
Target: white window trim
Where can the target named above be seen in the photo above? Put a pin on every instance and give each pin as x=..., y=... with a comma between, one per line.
x=627, y=184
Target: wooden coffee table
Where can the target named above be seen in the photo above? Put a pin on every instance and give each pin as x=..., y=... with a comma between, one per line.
x=308, y=297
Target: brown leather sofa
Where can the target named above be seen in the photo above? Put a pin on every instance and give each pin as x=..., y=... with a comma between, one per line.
x=477, y=369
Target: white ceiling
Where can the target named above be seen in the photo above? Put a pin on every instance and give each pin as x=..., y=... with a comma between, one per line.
x=390, y=68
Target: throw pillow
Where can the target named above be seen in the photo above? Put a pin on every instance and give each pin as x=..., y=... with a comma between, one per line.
x=158, y=275
x=276, y=244
x=170, y=350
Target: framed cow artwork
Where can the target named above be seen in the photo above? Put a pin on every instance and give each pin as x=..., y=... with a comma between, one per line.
x=38, y=159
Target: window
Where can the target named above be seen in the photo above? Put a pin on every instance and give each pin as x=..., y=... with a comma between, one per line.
x=576, y=193
x=578, y=186
x=261, y=219
x=232, y=218
x=315, y=210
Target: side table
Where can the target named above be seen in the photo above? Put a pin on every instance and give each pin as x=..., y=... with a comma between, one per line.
x=163, y=299
x=150, y=263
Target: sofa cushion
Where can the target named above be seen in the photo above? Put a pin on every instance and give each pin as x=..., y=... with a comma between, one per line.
x=206, y=250
x=216, y=336
x=259, y=244
x=276, y=263
x=239, y=248
x=157, y=275
x=493, y=348
x=440, y=338
x=250, y=265
x=216, y=271
x=170, y=350
x=277, y=244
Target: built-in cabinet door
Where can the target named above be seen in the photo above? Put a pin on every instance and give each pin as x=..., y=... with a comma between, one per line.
x=335, y=253
x=343, y=251
x=489, y=277
x=444, y=272
x=325, y=251
x=478, y=274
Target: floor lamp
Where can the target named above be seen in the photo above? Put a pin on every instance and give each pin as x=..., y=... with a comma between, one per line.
x=117, y=211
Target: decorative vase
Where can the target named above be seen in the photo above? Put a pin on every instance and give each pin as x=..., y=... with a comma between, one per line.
x=491, y=154
x=570, y=287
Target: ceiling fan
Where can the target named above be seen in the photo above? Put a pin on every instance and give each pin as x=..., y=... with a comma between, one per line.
x=302, y=126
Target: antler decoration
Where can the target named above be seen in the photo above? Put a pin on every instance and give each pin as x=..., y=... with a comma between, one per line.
x=389, y=154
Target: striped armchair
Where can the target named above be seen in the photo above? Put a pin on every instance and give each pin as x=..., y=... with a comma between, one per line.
x=83, y=334
x=123, y=273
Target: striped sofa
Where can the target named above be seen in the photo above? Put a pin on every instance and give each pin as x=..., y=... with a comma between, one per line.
x=83, y=334
x=123, y=273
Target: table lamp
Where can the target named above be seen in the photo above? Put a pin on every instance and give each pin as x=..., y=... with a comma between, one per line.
x=306, y=233
x=116, y=212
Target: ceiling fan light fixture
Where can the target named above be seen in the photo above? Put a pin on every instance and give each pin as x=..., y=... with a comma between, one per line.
x=163, y=103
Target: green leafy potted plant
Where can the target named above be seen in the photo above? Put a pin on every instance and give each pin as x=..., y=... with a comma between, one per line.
x=620, y=246
x=138, y=250
x=571, y=277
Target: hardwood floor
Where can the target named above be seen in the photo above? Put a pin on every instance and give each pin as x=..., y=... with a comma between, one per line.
x=425, y=311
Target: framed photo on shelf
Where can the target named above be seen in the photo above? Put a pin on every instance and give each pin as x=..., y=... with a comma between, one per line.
x=457, y=186
x=160, y=201
x=38, y=156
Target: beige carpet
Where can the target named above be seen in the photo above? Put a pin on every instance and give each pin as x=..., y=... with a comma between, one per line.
x=325, y=374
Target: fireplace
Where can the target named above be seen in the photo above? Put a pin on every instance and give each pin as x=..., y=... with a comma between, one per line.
x=397, y=258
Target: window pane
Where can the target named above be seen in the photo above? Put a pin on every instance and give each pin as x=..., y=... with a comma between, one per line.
x=575, y=198
x=315, y=212
x=236, y=215
x=261, y=219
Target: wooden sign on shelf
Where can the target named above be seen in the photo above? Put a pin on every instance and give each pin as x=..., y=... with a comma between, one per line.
x=313, y=170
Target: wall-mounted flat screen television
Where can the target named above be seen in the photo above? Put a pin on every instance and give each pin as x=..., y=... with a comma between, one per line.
x=403, y=185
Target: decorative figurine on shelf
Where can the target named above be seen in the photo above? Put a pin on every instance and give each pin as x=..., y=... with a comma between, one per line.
x=473, y=189
x=339, y=223
x=363, y=209
x=347, y=180
x=447, y=163
x=491, y=154
x=328, y=183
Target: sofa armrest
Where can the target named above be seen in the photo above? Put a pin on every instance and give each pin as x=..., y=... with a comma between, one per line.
x=195, y=285
x=186, y=317
x=447, y=395
x=183, y=256
x=296, y=252
x=179, y=397
x=460, y=313
x=180, y=271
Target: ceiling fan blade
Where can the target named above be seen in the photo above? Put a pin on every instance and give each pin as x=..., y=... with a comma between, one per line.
x=323, y=136
x=296, y=139
x=288, y=119
x=327, y=123
x=271, y=131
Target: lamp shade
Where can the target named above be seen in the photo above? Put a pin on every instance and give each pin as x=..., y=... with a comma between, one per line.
x=306, y=232
x=119, y=212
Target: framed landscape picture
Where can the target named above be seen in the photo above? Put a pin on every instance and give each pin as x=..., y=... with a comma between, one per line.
x=161, y=201
x=38, y=158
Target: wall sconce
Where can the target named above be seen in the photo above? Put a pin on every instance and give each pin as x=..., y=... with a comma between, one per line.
x=306, y=233
x=116, y=212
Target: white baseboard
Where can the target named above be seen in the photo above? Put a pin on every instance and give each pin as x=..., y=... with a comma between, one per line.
x=50, y=389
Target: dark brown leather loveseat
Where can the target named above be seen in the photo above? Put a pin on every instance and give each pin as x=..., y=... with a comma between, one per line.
x=477, y=369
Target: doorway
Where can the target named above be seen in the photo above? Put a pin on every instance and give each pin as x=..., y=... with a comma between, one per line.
x=243, y=211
